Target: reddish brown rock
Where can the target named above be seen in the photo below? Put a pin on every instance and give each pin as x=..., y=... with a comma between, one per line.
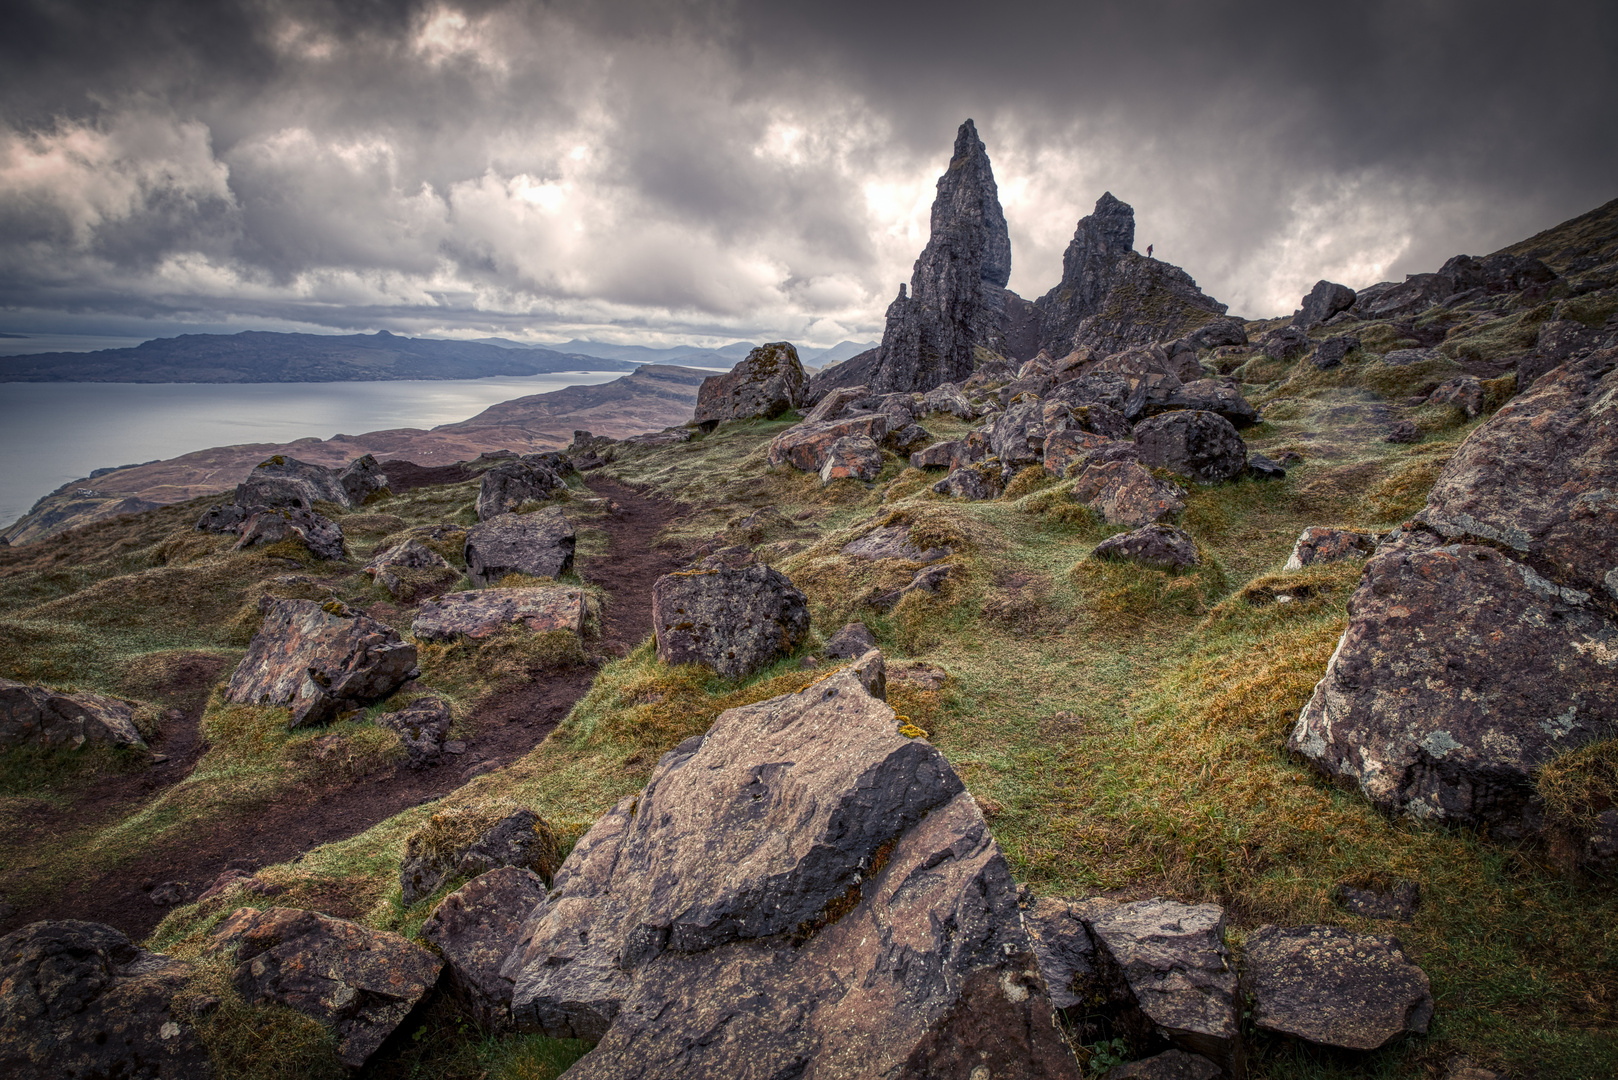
x=806, y=445
x=35, y=716
x=1318, y=544
x=853, y=457
x=482, y=612
x=360, y=982
x=983, y=480
x=1070, y=447
x=318, y=660
x=476, y=927
x=1124, y=493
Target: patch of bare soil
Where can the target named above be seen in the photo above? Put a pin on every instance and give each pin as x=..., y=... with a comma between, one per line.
x=508, y=725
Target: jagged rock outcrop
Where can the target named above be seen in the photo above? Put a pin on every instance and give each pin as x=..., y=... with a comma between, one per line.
x=36, y=716
x=79, y=1001
x=539, y=544
x=1111, y=297
x=1330, y=987
x=811, y=881
x=360, y=982
x=735, y=621
x=763, y=386
x=956, y=301
x=319, y=660
x=482, y=612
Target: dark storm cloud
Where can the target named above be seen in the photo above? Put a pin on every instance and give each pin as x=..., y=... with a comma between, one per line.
x=757, y=169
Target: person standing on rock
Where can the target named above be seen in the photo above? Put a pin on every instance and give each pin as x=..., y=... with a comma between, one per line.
x=1148, y=251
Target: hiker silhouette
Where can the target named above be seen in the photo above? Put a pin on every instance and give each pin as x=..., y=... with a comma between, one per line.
x=1148, y=251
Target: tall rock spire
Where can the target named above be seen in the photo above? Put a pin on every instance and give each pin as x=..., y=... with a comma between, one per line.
x=956, y=299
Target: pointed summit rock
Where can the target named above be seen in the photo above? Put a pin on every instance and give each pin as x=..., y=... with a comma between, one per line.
x=956, y=299
x=1111, y=296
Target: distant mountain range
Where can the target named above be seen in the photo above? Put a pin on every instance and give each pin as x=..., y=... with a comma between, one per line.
x=263, y=356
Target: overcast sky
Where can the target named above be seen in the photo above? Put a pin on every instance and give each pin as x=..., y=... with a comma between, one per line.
x=668, y=172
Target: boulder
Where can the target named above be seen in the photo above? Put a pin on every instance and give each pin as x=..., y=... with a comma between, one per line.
x=947, y=398
x=851, y=641
x=957, y=301
x=1023, y=390
x=320, y=660
x=763, y=386
x=836, y=403
x=1124, y=493
x=539, y=544
x=362, y=478
x=805, y=446
x=936, y=456
x=1559, y=341
x=892, y=542
x=1318, y=544
x=360, y=982
x=1285, y=343
x=1193, y=443
x=1169, y=961
x=1092, y=416
x=974, y=482
x=475, y=928
x=482, y=612
x=1403, y=431
x=810, y=881
x=1333, y=988
x=1109, y=388
x=735, y=621
x=465, y=843
x=1464, y=392
x=1541, y=478
x=423, y=727
x=908, y=439
x=223, y=518
x=513, y=483
x=1169, y=1065
x=392, y=569
x=1462, y=671
x=79, y=1001
x=263, y=526
x=281, y=481
x=35, y=716
x=1160, y=547
x=852, y=457
x=1220, y=396
x=1398, y=901
x=1064, y=948
x=1261, y=467
x=1331, y=352
x=1326, y=299
x=1013, y=434
x=1212, y=335
x=1067, y=450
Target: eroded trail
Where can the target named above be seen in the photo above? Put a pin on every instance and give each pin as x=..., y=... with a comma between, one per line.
x=509, y=724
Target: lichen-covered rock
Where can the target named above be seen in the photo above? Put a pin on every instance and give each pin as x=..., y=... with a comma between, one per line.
x=947, y=398
x=853, y=457
x=1220, y=396
x=1330, y=987
x=79, y=1001
x=411, y=570
x=1285, y=343
x=320, y=662
x=1217, y=332
x=1462, y=671
x=851, y=641
x=974, y=482
x=1064, y=948
x=1326, y=299
x=360, y=982
x=813, y=882
x=1559, y=341
x=892, y=542
x=907, y=439
x=475, y=928
x=837, y=402
x=482, y=612
x=957, y=298
x=1161, y=547
x=1193, y=443
x=35, y=716
x=539, y=544
x=1124, y=493
x=511, y=484
x=263, y=525
x=1016, y=436
x=281, y=481
x=455, y=843
x=1067, y=451
x=937, y=456
x=362, y=478
x=1541, y=478
x=1109, y=388
x=763, y=386
x=1406, y=357
x=423, y=728
x=1092, y=416
x=1464, y=392
x=734, y=621
x=805, y=446
x=1331, y=352
x=1319, y=544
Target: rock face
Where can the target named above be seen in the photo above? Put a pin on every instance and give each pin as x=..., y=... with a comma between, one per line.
x=1111, y=297
x=320, y=662
x=478, y=614
x=1326, y=299
x=1193, y=443
x=763, y=386
x=1317, y=544
x=1161, y=547
x=539, y=544
x=358, y=981
x=78, y=1001
x=322, y=536
x=475, y=928
x=1124, y=493
x=1333, y=988
x=510, y=484
x=35, y=716
x=521, y=838
x=1461, y=672
x=735, y=621
x=956, y=301
x=712, y=900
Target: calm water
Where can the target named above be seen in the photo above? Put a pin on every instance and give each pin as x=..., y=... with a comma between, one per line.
x=52, y=433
